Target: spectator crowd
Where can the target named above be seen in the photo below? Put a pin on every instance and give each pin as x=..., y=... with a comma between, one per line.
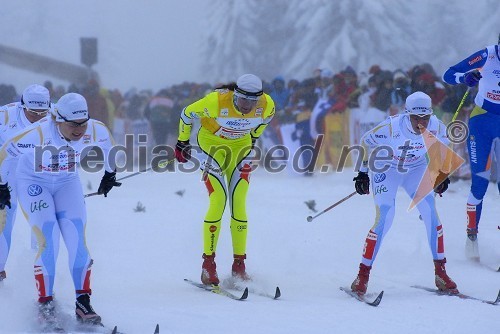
x=303, y=106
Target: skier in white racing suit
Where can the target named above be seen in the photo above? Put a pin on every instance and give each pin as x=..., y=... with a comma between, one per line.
x=51, y=196
x=14, y=118
x=412, y=145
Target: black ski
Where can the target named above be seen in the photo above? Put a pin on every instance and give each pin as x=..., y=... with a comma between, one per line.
x=459, y=295
x=233, y=284
x=115, y=330
x=277, y=293
x=218, y=290
x=259, y=292
x=363, y=299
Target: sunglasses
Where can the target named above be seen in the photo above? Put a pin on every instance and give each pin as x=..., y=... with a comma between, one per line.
x=74, y=124
x=422, y=117
x=38, y=112
x=246, y=95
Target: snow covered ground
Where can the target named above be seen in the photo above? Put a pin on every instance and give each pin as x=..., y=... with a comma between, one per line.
x=141, y=259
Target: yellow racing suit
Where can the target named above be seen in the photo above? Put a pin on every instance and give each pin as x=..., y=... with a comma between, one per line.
x=225, y=139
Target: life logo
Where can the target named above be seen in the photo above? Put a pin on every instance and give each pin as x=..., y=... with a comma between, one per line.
x=379, y=177
x=34, y=190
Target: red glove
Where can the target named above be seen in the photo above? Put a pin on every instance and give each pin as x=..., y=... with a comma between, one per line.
x=182, y=151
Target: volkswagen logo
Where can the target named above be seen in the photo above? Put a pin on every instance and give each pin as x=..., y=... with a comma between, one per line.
x=34, y=190
x=379, y=177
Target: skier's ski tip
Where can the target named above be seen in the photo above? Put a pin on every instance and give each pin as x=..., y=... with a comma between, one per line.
x=277, y=294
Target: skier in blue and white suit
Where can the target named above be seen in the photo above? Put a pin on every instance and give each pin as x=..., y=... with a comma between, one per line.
x=50, y=194
x=414, y=142
x=481, y=67
x=14, y=118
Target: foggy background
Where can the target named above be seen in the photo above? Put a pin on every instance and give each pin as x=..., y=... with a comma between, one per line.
x=153, y=43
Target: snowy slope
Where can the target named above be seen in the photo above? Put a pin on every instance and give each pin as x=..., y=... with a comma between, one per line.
x=141, y=260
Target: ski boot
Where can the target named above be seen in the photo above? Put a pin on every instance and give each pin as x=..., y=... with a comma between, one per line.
x=360, y=284
x=209, y=270
x=47, y=316
x=84, y=311
x=443, y=281
x=3, y=275
x=472, y=234
x=238, y=269
x=472, y=245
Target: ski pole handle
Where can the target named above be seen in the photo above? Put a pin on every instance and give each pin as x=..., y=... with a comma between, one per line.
x=310, y=218
x=162, y=164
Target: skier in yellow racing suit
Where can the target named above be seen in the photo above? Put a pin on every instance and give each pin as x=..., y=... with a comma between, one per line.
x=232, y=118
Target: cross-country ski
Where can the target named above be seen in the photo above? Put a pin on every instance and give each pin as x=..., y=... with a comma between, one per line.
x=362, y=298
x=218, y=290
x=459, y=295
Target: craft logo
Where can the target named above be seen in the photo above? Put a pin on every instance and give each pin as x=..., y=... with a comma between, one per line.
x=213, y=228
x=21, y=145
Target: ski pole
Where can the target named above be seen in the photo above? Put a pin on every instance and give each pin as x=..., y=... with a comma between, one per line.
x=310, y=218
x=460, y=105
x=161, y=165
x=448, y=157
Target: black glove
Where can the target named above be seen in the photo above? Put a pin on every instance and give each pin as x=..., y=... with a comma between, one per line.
x=108, y=181
x=472, y=78
x=4, y=196
x=362, y=183
x=182, y=151
x=441, y=184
